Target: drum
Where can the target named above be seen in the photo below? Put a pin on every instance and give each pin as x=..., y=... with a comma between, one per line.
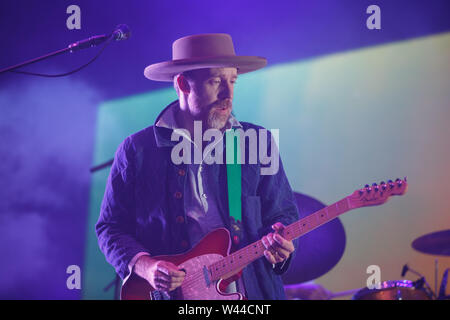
x=393, y=290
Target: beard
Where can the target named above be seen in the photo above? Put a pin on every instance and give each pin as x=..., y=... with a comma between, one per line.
x=219, y=114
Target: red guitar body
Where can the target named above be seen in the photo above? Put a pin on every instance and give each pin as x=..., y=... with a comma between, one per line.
x=197, y=284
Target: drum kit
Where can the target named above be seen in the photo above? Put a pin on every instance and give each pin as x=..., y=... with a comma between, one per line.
x=437, y=243
x=325, y=246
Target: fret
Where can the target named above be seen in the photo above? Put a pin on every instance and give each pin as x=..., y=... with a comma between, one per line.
x=312, y=221
x=322, y=215
x=246, y=255
x=343, y=206
x=237, y=260
x=303, y=226
x=332, y=211
x=290, y=232
x=241, y=258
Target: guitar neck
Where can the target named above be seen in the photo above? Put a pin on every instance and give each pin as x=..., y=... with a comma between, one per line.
x=241, y=258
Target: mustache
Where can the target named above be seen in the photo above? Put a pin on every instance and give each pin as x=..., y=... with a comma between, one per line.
x=223, y=104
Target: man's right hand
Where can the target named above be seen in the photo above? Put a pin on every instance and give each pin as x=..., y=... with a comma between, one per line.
x=162, y=275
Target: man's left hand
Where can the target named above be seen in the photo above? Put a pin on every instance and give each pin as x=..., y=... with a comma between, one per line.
x=278, y=248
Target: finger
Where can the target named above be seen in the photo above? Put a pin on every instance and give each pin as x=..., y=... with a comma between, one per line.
x=277, y=251
x=162, y=275
x=283, y=254
x=176, y=272
x=166, y=281
x=274, y=246
x=176, y=282
x=265, y=242
x=174, y=286
x=278, y=227
x=272, y=242
x=170, y=270
x=162, y=284
x=283, y=243
x=270, y=257
x=177, y=279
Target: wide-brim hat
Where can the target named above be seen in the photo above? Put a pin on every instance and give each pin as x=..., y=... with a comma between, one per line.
x=212, y=50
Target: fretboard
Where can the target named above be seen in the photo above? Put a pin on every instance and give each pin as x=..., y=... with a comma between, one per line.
x=241, y=258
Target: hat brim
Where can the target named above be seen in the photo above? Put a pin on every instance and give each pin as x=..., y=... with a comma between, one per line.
x=165, y=71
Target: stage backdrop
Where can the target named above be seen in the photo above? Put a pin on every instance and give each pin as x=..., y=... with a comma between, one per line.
x=345, y=120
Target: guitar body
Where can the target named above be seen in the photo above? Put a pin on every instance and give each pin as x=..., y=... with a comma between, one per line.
x=196, y=285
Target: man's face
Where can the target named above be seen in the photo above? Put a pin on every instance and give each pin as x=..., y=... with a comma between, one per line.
x=211, y=95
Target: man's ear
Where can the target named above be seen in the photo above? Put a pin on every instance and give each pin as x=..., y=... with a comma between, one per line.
x=183, y=84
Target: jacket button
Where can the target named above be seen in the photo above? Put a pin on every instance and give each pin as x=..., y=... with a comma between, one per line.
x=184, y=243
x=177, y=195
x=181, y=172
x=179, y=219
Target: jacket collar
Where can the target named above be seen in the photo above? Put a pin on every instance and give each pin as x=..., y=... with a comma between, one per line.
x=165, y=123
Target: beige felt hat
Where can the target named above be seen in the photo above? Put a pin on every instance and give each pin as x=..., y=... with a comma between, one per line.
x=213, y=50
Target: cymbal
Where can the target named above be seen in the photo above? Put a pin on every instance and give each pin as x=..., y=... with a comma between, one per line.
x=436, y=243
x=319, y=250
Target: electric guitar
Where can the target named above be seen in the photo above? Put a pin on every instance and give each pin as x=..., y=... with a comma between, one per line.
x=209, y=263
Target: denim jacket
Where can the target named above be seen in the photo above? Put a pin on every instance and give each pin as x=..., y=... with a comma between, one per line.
x=142, y=208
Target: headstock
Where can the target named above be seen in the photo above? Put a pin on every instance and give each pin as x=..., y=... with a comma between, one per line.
x=377, y=194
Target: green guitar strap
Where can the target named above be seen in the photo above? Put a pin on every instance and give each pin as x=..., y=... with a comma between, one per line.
x=233, y=160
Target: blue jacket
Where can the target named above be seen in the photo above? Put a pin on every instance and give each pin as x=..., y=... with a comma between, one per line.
x=142, y=206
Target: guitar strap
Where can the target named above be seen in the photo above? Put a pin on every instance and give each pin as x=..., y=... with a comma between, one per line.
x=233, y=161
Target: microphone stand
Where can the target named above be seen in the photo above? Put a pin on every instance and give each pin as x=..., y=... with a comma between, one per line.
x=82, y=44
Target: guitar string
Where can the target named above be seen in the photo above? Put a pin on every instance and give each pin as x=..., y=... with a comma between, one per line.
x=198, y=275
x=295, y=227
x=245, y=252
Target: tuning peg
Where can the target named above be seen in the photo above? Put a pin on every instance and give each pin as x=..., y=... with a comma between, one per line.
x=391, y=184
x=368, y=188
x=375, y=186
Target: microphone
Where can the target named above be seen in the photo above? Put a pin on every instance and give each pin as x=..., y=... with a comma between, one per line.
x=122, y=32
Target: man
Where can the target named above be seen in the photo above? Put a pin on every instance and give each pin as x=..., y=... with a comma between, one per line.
x=156, y=206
